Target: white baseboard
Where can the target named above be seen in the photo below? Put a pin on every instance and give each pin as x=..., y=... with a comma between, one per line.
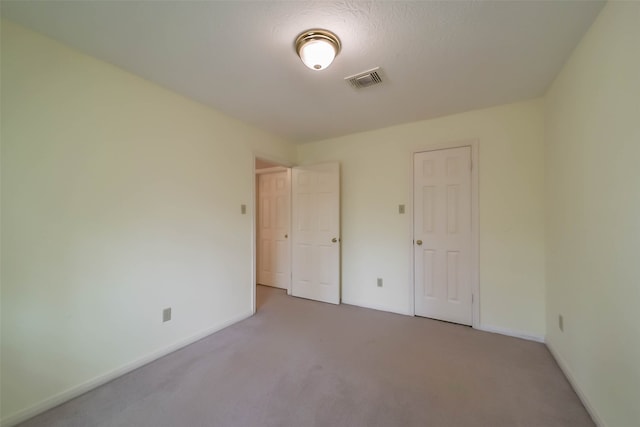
x=76, y=391
x=576, y=387
x=485, y=328
x=376, y=307
x=510, y=333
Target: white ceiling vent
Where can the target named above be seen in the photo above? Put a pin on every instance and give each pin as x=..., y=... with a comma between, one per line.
x=365, y=79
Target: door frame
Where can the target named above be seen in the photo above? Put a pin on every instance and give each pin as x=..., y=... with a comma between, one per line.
x=475, y=223
x=254, y=217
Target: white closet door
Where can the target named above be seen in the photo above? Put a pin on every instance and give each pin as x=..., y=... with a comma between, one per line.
x=442, y=234
x=316, y=232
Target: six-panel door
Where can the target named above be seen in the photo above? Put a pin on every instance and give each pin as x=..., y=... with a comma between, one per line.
x=442, y=234
x=316, y=228
x=274, y=259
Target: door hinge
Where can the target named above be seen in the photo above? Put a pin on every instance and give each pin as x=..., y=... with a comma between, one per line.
x=471, y=298
x=471, y=165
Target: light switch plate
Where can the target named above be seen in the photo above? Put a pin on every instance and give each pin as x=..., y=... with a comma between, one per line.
x=243, y=209
x=561, y=322
x=166, y=314
x=400, y=209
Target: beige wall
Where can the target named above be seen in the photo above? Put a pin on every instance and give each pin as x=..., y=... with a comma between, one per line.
x=593, y=215
x=119, y=199
x=376, y=178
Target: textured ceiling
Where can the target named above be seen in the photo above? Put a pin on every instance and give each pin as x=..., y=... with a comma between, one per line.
x=437, y=58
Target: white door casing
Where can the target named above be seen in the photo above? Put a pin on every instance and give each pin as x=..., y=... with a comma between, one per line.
x=443, y=234
x=273, y=229
x=316, y=232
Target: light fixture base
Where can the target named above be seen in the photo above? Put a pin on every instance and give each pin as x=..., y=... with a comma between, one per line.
x=317, y=48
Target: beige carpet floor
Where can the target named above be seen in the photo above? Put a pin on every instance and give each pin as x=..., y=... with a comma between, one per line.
x=302, y=363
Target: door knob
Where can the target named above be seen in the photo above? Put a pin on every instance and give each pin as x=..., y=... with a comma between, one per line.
x=334, y=240
x=419, y=242
x=286, y=236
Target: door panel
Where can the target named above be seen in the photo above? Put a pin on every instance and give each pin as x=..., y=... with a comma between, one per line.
x=274, y=206
x=316, y=224
x=442, y=234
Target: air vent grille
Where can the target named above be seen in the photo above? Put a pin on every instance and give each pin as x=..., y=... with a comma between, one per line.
x=365, y=79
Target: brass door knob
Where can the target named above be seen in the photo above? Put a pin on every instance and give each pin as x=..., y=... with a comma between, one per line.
x=334, y=240
x=419, y=242
x=286, y=236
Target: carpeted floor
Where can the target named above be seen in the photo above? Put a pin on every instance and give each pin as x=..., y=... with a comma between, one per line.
x=301, y=363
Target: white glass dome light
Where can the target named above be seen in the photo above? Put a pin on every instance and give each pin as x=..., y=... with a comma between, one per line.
x=317, y=48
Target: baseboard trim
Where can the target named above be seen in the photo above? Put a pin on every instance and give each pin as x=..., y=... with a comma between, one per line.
x=576, y=386
x=376, y=307
x=80, y=389
x=511, y=333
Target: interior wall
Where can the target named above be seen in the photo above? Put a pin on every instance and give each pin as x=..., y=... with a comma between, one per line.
x=264, y=164
x=593, y=211
x=119, y=198
x=376, y=239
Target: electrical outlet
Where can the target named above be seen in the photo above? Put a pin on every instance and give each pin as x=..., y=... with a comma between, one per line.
x=400, y=209
x=243, y=209
x=379, y=282
x=561, y=322
x=166, y=314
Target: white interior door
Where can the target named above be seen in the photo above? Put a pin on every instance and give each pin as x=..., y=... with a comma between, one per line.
x=316, y=228
x=442, y=234
x=274, y=207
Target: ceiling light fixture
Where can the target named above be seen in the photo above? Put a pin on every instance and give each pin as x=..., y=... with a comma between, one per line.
x=317, y=48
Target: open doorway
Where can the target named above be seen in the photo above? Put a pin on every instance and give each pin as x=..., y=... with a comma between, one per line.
x=305, y=199
x=273, y=225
